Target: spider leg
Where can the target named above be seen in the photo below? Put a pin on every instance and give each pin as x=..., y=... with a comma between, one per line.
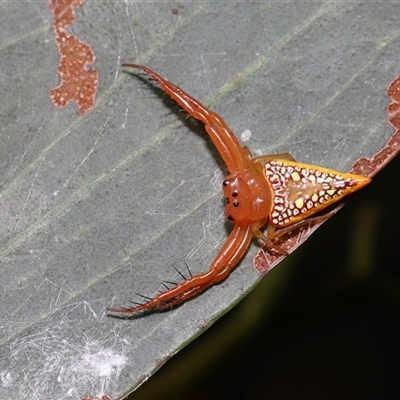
x=267, y=239
x=223, y=138
x=230, y=254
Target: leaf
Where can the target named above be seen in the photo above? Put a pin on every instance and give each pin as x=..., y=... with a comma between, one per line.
x=97, y=207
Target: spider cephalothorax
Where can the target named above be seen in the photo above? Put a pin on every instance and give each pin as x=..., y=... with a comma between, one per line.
x=247, y=196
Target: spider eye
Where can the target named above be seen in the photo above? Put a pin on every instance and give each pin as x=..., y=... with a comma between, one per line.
x=225, y=183
x=227, y=200
x=234, y=194
x=235, y=203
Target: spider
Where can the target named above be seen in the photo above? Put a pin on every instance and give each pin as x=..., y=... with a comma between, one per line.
x=271, y=190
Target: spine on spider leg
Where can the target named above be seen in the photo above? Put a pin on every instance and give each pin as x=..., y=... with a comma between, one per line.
x=223, y=138
x=227, y=258
x=171, y=297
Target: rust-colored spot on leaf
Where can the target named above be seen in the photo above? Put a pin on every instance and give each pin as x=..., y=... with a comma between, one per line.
x=370, y=166
x=394, y=107
x=78, y=81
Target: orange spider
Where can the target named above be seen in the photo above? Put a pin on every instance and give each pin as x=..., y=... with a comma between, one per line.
x=271, y=190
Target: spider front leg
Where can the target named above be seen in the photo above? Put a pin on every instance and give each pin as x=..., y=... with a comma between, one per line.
x=223, y=138
x=230, y=254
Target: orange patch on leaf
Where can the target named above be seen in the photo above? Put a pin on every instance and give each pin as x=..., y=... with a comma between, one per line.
x=394, y=107
x=78, y=82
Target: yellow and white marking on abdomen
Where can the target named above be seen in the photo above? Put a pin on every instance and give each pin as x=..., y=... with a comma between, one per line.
x=300, y=190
